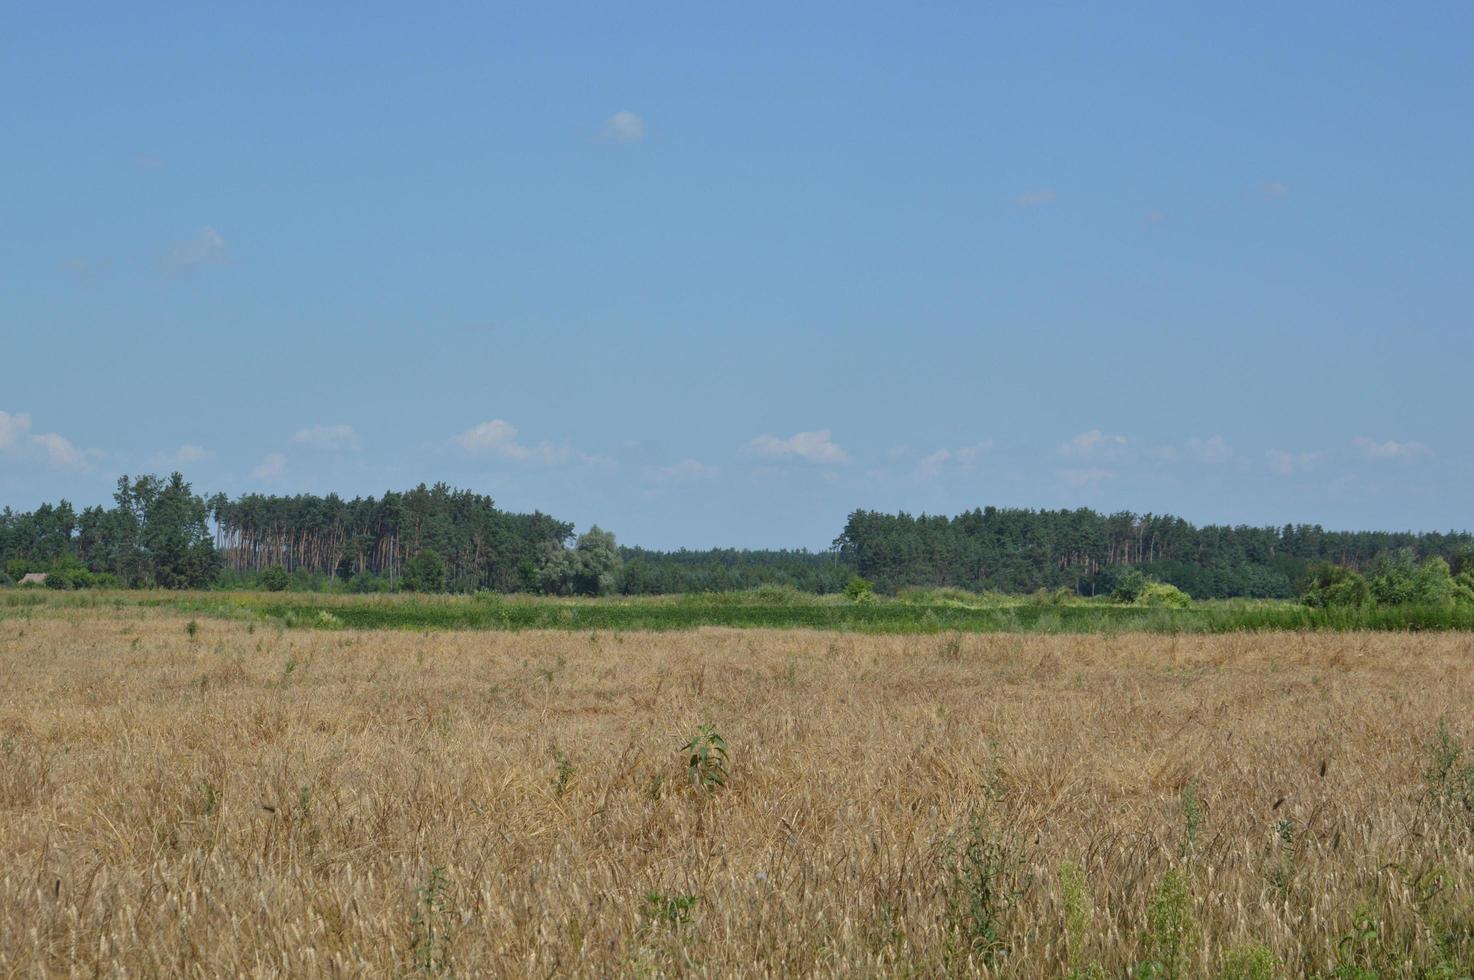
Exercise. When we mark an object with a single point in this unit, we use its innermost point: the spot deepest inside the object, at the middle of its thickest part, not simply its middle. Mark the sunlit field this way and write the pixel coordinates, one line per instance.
(188, 793)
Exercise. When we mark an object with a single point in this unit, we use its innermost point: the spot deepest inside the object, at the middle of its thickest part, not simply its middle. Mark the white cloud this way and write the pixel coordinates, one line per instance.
(1210, 450)
(1288, 463)
(684, 471)
(623, 127)
(499, 437)
(190, 453)
(13, 428)
(1371, 449)
(15, 435)
(965, 456)
(204, 248)
(1085, 476)
(59, 450)
(1273, 190)
(187, 453)
(932, 463)
(1034, 199)
(816, 447)
(1094, 444)
(330, 438)
(273, 466)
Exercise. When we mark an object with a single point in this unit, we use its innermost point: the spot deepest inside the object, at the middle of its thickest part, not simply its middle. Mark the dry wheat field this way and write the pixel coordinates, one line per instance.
(233, 799)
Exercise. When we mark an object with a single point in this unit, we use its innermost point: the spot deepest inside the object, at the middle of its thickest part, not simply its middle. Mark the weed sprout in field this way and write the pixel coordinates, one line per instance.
(430, 927)
(706, 762)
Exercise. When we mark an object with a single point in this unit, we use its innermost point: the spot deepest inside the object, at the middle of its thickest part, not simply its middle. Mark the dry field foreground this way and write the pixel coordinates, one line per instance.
(249, 801)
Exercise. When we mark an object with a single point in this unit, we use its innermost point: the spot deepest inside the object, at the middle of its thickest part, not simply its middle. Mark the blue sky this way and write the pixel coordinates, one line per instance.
(719, 275)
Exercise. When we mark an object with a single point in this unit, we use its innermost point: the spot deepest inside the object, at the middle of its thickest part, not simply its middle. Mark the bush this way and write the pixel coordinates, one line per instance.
(1129, 586)
(425, 573)
(1332, 586)
(1393, 579)
(777, 595)
(274, 579)
(1163, 595)
(366, 582)
(1464, 586)
(859, 590)
(1399, 579)
(1254, 962)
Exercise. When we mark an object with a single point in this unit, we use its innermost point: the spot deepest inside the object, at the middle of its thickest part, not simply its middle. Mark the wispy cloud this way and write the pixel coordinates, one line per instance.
(1287, 463)
(1095, 445)
(1390, 450)
(328, 438)
(816, 447)
(271, 467)
(207, 247)
(498, 437)
(185, 454)
(1213, 450)
(963, 457)
(1034, 199)
(148, 161)
(623, 127)
(58, 450)
(1273, 190)
(13, 428)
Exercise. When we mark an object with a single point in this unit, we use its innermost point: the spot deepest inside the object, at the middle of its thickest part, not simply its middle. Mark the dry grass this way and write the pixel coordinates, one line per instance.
(249, 801)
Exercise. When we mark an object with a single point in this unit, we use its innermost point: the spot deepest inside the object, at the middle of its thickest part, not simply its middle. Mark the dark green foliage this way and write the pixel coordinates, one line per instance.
(274, 579)
(1394, 579)
(425, 572)
(729, 570)
(590, 567)
(157, 534)
(1129, 586)
(332, 538)
(1136, 588)
(364, 583)
(1020, 551)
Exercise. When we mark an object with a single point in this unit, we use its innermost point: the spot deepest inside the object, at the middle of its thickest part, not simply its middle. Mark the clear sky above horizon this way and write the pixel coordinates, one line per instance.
(718, 276)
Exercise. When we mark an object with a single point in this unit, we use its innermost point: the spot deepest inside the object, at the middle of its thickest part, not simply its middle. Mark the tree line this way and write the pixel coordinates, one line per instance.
(371, 541)
(160, 533)
(1022, 550)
